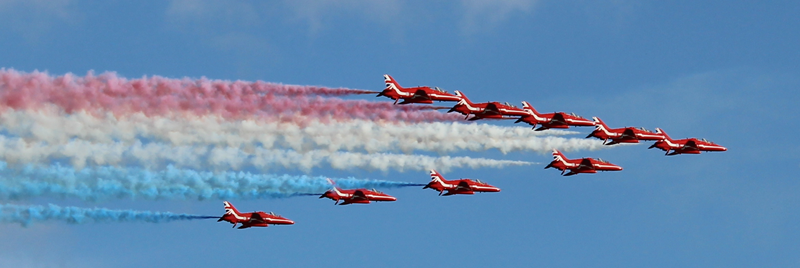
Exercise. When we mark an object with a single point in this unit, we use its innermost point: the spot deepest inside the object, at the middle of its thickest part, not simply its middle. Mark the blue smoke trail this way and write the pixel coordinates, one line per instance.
(99, 183)
(26, 215)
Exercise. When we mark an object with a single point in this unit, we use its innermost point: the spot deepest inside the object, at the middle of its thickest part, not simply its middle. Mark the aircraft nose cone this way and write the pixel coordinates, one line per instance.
(617, 168)
(724, 149)
(391, 198)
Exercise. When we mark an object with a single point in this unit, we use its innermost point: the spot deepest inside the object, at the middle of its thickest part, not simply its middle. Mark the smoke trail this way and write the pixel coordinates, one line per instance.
(106, 182)
(385, 162)
(52, 127)
(109, 84)
(157, 155)
(26, 215)
(160, 96)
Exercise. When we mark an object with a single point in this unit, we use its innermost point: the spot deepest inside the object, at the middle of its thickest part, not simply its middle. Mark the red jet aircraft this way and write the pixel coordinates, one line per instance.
(577, 166)
(359, 196)
(486, 110)
(552, 120)
(685, 146)
(622, 135)
(414, 94)
(252, 219)
(462, 186)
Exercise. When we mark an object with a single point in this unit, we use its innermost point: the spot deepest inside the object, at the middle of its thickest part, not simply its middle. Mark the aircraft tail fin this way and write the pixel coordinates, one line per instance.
(437, 182)
(599, 124)
(558, 156)
(333, 186)
(230, 209)
(528, 107)
(391, 83)
(463, 97)
(666, 137)
(435, 176)
(532, 113)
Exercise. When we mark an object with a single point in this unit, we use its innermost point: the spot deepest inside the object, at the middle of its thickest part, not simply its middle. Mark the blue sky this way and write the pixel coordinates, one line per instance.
(722, 70)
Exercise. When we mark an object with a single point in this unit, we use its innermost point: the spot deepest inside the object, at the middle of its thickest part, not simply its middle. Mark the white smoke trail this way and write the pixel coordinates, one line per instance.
(157, 155)
(376, 161)
(53, 127)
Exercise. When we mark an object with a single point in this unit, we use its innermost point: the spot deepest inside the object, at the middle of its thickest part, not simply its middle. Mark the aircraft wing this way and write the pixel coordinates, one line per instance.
(255, 217)
(586, 164)
(558, 118)
(690, 146)
(463, 186)
(491, 109)
(421, 95)
(628, 134)
(359, 195)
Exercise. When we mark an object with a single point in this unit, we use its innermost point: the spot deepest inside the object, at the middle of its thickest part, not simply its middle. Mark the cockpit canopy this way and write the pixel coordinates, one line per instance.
(376, 190)
(575, 115)
(705, 140)
(643, 129)
(479, 181)
(439, 89)
(273, 214)
(602, 161)
(510, 105)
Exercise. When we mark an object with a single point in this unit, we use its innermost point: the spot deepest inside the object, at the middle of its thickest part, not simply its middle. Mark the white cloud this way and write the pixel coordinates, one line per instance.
(481, 15)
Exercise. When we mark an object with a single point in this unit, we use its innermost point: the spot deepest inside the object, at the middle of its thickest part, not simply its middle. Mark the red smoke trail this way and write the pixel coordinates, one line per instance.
(112, 85)
(231, 100)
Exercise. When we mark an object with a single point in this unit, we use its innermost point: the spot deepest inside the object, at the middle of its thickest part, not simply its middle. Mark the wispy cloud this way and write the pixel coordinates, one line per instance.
(222, 24)
(230, 18)
(482, 15)
(693, 99)
(475, 15)
(228, 12)
(227, 17)
(317, 12)
(34, 18)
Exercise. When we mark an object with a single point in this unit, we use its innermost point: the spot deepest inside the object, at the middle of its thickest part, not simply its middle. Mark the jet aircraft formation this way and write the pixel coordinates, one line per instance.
(559, 120)
(354, 196)
(491, 110)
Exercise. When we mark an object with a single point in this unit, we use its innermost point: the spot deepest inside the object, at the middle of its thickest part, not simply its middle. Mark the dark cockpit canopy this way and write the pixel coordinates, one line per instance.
(575, 115)
(510, 105)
